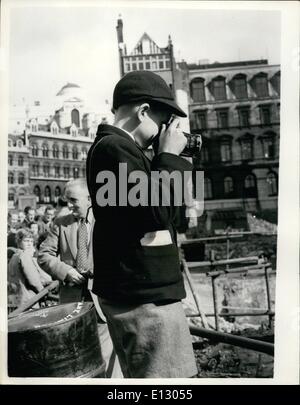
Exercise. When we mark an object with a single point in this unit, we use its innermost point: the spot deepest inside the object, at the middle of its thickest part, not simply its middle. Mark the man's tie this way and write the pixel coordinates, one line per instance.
(82, 254)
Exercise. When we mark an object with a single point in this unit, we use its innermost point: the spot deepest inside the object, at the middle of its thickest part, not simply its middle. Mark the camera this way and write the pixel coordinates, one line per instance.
(193, 146)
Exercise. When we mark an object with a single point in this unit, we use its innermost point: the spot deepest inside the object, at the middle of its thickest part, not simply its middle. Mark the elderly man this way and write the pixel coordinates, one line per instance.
(66, 254)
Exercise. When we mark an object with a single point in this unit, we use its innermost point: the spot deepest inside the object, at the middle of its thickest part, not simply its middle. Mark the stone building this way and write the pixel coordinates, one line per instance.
(18, 165)
(236, 108)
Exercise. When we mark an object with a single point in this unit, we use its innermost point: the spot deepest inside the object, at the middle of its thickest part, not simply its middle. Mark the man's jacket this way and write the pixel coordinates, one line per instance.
(57, 255)
(124, 269)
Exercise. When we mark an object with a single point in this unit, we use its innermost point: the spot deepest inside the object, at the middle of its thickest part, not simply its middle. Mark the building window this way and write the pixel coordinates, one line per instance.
(147, 65)
(20, 161)
(154, 65)
(161, 64)
(66, 172)
(47, 194)
(11, 178)
(54, 128)
(228, 185)
(21, 178)
(261, 85)
(65, 152)
(56, 171)
(244, 114)
(127, 65)
(222, 118)
(240, 86)
(46, 170)
(83, 172)
(75, 153)
(198, 90)
(207, 189)
(247, 149)
(272, 184)
(141, 66)
(134, 66)
(265, 114)
(10, 143)
(200, 120)
(57, 191)
(275, 81)
(75, 117)
(10, 160)
(225, 151)
(45, 150)
(20, 144)
(268, 147)
(83, 154)
(250, 186)
(35, 169)
(11, 196)
(75, 172)
(219, 88)
(204, 155)
(37, 193)
(168, 64)
(55, 151)
(34, 150)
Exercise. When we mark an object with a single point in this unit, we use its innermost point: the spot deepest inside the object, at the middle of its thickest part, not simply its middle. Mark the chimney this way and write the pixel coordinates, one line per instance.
(119, 28)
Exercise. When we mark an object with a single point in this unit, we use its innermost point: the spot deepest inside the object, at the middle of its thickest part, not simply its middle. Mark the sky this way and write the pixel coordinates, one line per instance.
(50, 46)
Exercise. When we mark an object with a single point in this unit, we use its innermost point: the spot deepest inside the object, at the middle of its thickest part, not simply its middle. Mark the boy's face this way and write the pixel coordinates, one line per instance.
(151, 126)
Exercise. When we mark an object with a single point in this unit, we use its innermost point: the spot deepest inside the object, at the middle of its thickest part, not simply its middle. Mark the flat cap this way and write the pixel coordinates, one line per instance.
(143, 85)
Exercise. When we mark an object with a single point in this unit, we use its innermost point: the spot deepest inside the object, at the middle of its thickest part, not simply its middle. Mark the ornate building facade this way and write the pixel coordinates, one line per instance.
(51, 151)
(236, 108)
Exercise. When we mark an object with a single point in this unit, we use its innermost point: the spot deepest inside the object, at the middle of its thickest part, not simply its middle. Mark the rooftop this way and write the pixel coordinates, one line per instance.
(227, 64)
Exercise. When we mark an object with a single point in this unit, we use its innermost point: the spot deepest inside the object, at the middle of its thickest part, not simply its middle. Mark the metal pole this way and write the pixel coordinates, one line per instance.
(268, 294)
(215, 299)
(252, 344)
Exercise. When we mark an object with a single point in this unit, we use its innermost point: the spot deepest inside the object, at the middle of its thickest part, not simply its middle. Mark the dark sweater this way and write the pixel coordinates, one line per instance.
(124, 270)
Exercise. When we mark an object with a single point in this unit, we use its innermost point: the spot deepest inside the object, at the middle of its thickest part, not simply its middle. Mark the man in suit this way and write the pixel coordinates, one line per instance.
(67, 255)
(136, 265)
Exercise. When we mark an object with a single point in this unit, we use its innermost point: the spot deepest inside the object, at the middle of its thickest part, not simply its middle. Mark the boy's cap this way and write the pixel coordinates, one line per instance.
(145, 86)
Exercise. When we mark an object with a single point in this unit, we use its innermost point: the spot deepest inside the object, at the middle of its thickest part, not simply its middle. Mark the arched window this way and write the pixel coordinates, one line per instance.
(272, 184)
(75, 153)
(47, 194)
(75, 117)
(246, 148)
(228, 185)
(35, 169)
(268, 144)
(21, 178)
(20, 143)
(45, 150)
(66, 172)
(250, 186)
(20, 161)
(239, 86)
(260, 85)
(11, 178)
(46, 170)
(34, 149)
(207, 188)
(56, 171)
(75, 172)
(225, 150)
(57, 191)
(10, 160)
(55, 151)
(83, 153)
(198, 90)
(37, 193)
(218, 87)
(65, 152)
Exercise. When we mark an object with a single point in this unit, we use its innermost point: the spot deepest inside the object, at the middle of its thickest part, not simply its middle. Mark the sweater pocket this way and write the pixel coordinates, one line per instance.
(157, 265)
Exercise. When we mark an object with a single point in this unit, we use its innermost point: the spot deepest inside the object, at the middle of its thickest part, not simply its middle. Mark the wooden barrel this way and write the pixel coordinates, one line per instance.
(58, 341)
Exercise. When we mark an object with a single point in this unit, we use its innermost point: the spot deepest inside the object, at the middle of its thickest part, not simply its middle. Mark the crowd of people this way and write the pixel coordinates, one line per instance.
(27, 229)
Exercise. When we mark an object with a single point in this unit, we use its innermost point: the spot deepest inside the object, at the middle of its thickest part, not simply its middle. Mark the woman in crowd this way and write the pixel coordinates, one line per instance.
(25, 277)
